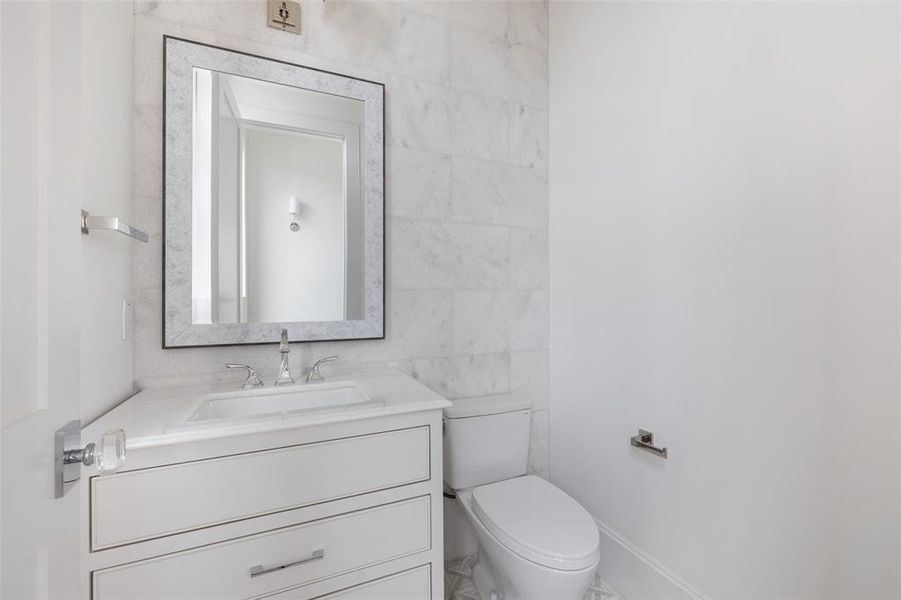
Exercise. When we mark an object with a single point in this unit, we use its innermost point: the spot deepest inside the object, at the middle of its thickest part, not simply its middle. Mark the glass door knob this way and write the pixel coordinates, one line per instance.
(108, 454)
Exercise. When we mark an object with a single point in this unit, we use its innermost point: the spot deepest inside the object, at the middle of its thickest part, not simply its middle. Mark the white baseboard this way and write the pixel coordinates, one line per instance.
(637, 575)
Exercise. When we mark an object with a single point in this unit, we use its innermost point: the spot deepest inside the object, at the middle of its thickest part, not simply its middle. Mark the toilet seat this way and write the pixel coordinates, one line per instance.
(538, 521)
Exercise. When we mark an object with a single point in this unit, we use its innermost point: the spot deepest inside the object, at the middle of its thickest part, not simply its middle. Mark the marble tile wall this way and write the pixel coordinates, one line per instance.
(467, 189)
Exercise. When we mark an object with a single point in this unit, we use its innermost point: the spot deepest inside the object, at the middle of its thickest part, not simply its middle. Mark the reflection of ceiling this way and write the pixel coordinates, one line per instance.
(253, 93)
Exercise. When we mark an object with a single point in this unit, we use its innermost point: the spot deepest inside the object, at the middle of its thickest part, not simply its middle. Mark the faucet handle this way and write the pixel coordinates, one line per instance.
(314, 374)
(253, 380)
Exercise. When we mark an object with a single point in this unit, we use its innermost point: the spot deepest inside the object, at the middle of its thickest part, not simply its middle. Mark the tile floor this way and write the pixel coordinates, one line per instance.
(458, 583)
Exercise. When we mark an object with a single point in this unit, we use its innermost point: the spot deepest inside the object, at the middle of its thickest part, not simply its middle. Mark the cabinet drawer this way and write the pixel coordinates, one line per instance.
(275, 560)
(181, 497)
(415, 584)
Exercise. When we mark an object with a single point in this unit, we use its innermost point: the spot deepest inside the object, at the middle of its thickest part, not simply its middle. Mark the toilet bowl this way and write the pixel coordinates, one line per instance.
(540, 543)
(535, 541)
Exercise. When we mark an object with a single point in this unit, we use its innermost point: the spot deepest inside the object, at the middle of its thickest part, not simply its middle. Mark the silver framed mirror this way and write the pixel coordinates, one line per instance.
(274, 200)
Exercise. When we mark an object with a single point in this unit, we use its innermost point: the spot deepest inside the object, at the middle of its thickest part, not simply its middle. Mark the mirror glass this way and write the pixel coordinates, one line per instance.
(276, 202)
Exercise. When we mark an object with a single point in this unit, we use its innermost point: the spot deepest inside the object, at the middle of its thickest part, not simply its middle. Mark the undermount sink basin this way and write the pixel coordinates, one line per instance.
(284, 401)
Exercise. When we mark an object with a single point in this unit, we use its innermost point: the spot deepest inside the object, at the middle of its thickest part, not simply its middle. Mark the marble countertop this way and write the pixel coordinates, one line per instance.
(161, 416)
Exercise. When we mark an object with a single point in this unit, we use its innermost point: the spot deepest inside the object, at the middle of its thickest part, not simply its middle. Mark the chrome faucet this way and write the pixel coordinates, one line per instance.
(314, 374)
(253, 380)
(284, 373)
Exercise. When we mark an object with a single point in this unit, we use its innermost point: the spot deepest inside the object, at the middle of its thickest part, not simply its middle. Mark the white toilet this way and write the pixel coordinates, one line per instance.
(535, 542)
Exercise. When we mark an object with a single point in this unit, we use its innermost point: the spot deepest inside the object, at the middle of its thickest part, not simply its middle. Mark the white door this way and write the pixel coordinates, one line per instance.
(40, 117)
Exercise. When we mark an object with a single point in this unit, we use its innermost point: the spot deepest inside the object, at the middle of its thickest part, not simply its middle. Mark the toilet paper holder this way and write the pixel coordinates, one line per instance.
(645, 441)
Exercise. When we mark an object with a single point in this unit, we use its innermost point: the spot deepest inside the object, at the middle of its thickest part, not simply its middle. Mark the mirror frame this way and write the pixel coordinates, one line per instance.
(180, 58)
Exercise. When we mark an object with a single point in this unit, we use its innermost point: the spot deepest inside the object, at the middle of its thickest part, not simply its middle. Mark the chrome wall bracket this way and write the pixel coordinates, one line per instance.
(645, 441)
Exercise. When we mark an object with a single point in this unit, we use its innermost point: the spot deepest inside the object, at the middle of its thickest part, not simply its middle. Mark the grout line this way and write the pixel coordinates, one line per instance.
(453, 222)
(449, 154)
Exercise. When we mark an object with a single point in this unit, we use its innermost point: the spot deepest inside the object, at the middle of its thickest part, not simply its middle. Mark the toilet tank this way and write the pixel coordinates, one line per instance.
(485, 440)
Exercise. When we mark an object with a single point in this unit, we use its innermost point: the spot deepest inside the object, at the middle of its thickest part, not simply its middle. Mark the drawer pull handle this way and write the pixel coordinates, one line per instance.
(257, 570)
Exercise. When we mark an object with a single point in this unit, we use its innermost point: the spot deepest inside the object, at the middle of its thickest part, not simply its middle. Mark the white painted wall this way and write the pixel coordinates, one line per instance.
(294, 275)
(724, 250)
(106, 167)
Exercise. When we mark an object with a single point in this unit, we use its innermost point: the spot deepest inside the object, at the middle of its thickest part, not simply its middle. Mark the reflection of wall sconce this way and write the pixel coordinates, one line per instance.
(292, 210)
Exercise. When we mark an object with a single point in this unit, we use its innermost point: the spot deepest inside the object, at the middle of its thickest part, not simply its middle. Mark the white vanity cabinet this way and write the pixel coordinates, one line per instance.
(346, 510)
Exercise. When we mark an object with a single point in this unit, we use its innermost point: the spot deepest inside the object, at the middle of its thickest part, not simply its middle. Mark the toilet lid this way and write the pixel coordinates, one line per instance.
(538, 521)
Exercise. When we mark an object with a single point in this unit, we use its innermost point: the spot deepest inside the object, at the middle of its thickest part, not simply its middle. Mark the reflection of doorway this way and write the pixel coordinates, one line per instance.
(215, 211)
(316, 130)
(294, 275)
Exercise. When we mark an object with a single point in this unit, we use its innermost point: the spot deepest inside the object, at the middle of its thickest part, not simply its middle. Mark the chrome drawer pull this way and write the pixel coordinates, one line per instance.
(318, 554)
